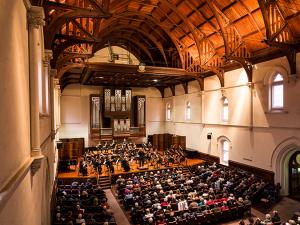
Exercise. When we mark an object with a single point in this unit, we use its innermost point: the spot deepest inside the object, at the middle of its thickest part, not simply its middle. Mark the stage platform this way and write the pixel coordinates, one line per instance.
(119, 170)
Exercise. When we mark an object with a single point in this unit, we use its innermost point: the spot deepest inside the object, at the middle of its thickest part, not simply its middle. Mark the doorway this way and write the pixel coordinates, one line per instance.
(294, 176)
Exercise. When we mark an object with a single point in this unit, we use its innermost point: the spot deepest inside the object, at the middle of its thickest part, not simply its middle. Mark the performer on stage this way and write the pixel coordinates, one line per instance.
(125, 165)
(83, 168)
(141, 154)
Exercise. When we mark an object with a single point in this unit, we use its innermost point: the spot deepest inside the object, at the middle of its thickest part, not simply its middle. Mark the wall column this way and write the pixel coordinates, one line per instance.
(53, 83)
(46, 84)
(35, 21)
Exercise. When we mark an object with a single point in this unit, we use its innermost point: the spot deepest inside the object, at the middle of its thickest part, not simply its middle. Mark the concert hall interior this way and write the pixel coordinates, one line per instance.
(149, 112)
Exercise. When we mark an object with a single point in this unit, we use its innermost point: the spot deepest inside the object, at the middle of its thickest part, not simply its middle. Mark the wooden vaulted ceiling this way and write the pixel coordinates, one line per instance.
(196, 38)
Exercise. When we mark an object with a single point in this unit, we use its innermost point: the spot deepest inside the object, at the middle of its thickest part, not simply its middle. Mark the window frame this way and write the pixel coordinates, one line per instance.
(188, 111)
(223, 151)
(168, 112)
(274, 84)
(225, 105)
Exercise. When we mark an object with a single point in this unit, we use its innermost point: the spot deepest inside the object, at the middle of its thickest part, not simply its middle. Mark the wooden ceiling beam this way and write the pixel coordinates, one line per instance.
(76, 39)
(200, 81)
(162, 91)
(68, 56)
(98, 6)
(133, 41)
(80, 27)
(153, 70)
(185, 86)
(67, 68)
(141, 33)
(73, 13)
(154, 21)
(57, 5)
(172, 88)
(281, 37)
(198, 10)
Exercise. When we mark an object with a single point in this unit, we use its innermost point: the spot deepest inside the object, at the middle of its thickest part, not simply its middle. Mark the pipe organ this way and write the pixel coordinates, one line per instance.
(117, 114)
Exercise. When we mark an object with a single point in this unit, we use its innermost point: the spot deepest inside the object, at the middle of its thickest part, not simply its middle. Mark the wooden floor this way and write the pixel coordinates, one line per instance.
(119, 170)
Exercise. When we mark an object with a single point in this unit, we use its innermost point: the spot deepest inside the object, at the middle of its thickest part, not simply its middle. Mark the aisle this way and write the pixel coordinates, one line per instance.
(286, 208)
(119, 215)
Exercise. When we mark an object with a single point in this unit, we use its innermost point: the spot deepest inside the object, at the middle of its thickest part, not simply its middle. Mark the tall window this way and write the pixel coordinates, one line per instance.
(188, 111)
(225, 152)
(277, 92)
(225, 110)
(168, 111)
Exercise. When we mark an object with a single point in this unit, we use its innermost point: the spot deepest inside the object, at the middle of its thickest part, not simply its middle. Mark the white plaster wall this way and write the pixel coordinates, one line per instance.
(253, 146)
(178, 124)
(76, 120)
(14, 98)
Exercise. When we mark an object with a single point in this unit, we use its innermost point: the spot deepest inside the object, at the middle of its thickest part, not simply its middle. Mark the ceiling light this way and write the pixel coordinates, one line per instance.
(100, 77)
(155, 80)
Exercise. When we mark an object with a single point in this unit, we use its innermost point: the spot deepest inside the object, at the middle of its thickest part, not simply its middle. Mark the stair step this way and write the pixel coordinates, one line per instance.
(104, 181)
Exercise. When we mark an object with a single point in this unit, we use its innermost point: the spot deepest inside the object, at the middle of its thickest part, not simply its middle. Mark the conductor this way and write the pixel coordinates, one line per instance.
(141, 154)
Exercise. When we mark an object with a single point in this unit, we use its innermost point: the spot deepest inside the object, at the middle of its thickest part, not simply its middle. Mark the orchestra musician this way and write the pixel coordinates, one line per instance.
(83, 168)
(125, 165)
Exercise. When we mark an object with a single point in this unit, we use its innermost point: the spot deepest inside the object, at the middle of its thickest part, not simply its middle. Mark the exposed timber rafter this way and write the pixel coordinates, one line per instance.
(278, 33)
(162, 91)
(185, 86)
(235, 48)
(200, 81)
(72, 12)
(172, 88)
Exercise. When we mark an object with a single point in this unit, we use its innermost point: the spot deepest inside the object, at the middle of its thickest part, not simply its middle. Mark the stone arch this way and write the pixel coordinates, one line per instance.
(220, 141)
(276, 69)
(280, 160)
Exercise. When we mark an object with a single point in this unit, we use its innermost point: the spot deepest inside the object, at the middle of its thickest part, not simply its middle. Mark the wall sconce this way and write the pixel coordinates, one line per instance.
(142, 67)
(209, 136)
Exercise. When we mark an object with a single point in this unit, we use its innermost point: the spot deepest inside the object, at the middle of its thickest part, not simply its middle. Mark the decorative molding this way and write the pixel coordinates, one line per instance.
(36, 164)
(35, 17)
(53, 73)
(9, 186)
(48, 55)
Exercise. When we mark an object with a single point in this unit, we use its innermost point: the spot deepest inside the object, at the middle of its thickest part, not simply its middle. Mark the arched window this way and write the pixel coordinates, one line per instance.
(225, 110)
(277, 92)
(168, 111)
(188, 111)
(225, 152)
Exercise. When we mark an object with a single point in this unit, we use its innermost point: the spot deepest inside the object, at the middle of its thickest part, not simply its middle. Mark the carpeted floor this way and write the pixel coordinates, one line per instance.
(286, 208)
(119, 215)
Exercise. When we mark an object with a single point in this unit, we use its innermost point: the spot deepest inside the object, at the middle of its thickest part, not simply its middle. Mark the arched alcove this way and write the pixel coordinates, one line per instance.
(224, 147)
(280, 162)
